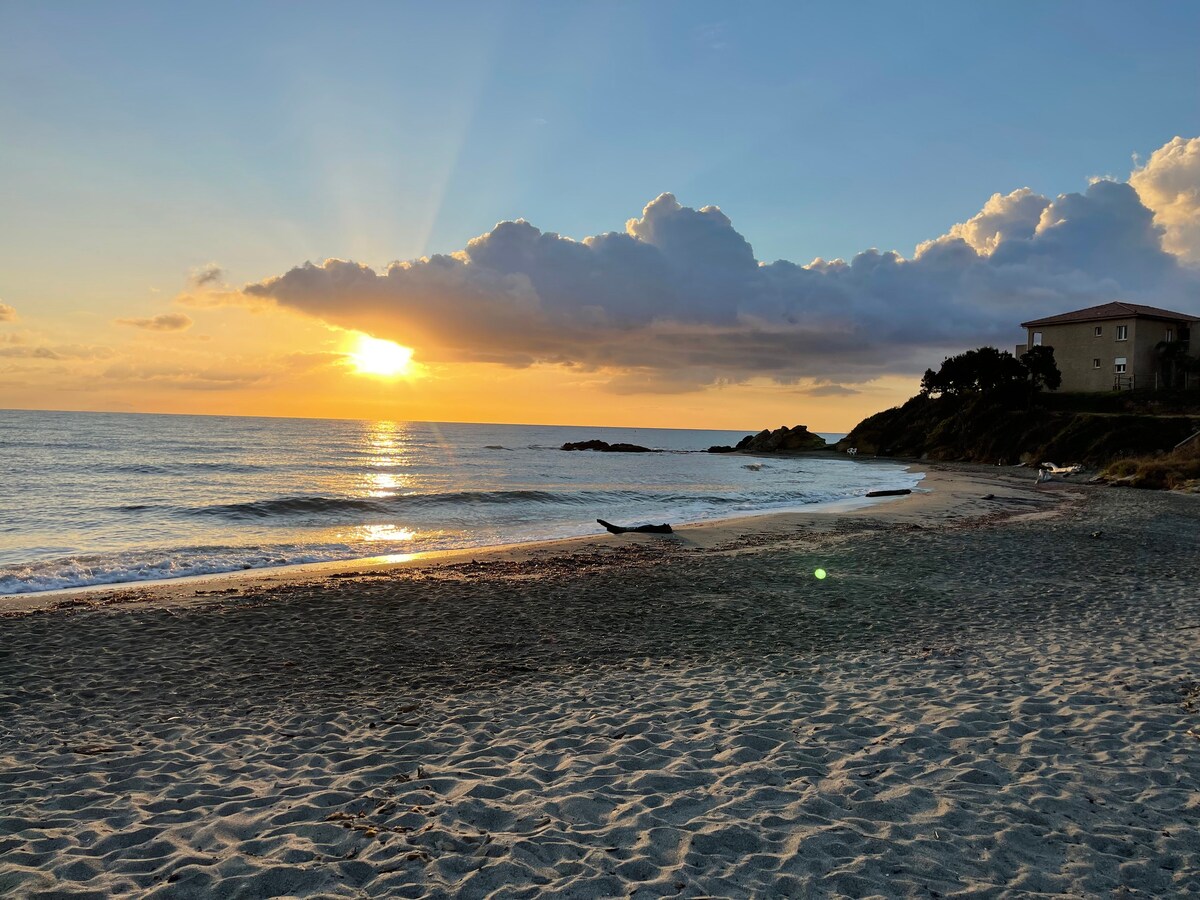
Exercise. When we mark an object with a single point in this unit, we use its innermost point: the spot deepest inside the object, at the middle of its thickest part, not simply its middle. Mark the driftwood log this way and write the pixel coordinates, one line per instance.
(897, 493)
(638, 529)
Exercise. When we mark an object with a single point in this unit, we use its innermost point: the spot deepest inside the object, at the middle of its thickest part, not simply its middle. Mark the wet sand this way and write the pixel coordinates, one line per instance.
(982, 698)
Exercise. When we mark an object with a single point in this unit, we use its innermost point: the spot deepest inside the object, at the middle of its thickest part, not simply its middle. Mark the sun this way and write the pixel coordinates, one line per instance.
(374, 356)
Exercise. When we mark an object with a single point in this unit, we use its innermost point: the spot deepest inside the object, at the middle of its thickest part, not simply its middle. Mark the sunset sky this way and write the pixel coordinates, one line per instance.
(655, 214)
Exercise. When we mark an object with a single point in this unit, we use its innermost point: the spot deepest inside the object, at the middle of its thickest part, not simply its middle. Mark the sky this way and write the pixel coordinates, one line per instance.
(655, 214)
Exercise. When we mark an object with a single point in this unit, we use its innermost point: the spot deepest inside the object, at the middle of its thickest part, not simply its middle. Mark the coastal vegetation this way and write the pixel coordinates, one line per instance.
(994, 373)
(988, 406)
(1177, 470)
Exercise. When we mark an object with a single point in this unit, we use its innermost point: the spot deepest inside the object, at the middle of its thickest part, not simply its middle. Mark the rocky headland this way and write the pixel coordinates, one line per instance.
(978, 428)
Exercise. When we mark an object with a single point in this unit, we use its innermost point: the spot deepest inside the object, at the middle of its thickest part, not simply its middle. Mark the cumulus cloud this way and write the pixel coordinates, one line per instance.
(1169, 184)
(162, 322)
(678, 300)
(1004, 217)
(7, 313)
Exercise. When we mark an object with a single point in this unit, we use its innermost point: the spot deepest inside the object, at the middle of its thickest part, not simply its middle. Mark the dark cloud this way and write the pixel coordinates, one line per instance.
(163, 322)
(679, 301)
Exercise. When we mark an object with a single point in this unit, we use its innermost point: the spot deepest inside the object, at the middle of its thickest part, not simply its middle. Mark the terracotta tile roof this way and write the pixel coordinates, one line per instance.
(1115, 310)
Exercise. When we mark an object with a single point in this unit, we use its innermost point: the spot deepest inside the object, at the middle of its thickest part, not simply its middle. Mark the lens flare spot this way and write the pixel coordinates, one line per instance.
(375, 356)
(820, 574)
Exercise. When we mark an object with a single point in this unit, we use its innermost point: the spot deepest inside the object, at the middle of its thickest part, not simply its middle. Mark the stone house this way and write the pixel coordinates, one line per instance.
(1109, 347)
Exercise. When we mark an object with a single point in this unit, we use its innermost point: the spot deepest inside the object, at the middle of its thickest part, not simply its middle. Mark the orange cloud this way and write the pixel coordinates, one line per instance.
(163, 322)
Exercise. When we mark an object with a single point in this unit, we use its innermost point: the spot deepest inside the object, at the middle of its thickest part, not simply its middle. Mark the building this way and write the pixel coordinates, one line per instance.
(1113, 346)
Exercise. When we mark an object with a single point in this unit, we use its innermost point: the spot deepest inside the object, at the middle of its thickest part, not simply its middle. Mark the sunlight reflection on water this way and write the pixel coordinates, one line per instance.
(100, 498)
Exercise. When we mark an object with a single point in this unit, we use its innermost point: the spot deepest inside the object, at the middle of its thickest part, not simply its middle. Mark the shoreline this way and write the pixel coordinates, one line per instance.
(819, 507)
(941, 487)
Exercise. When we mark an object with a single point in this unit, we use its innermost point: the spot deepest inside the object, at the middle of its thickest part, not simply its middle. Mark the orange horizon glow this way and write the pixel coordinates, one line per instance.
(264, 362)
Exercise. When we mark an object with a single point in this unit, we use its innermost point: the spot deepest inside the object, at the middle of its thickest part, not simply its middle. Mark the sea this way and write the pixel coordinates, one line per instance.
(110, 498)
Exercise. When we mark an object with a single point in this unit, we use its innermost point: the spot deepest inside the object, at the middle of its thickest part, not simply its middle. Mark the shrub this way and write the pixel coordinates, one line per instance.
(1179, 469)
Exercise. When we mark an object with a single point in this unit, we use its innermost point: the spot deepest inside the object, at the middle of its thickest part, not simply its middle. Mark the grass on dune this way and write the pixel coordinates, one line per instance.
(1177, 470)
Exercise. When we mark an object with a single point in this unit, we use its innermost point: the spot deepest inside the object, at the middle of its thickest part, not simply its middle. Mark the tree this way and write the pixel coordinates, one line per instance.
(985, 371)
(1173, 362)
(1043, 371)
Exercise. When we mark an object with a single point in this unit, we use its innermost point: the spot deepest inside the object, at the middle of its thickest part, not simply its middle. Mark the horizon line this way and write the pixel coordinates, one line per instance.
(123, 412)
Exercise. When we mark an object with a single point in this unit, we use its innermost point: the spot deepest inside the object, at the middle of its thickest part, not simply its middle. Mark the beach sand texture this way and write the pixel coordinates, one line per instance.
(970, 704)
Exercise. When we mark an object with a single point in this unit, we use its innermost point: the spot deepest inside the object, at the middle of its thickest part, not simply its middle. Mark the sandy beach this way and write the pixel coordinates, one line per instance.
(985, 697)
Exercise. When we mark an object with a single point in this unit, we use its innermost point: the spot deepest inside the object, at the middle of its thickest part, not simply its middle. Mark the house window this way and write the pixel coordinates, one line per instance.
(1119, 365)
(1170, 335)
(1037, 339)
(1099, 330)
(1122, 332)
(1096, 363)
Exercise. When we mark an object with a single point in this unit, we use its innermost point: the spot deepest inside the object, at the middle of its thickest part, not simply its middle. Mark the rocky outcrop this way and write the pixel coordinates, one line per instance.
(606, 447)
(782, 440)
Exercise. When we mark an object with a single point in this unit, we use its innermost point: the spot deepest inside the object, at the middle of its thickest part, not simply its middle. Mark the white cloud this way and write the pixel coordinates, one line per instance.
(1169, 184)
(1004, 217)
(679, 301)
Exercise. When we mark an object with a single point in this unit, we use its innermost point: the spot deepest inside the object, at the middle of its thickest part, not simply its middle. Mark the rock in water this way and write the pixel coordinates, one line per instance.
(606, 447)
(782, 440)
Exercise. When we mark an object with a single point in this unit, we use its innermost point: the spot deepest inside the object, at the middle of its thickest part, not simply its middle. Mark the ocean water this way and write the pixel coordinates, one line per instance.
(102, 498)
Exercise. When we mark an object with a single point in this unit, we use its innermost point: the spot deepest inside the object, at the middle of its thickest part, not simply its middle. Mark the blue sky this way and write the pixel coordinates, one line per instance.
(146, 138)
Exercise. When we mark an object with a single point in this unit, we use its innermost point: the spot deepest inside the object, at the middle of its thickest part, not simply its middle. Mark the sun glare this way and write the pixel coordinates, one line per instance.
(374, 356)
